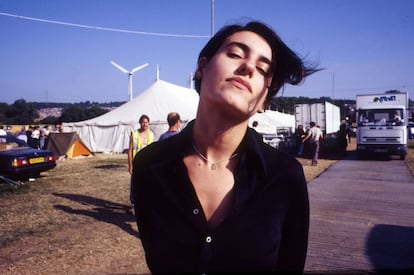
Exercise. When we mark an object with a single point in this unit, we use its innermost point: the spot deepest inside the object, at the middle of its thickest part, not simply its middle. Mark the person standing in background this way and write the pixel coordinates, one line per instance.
(299, 135)
(44, 136)
(174, 123)
(314, 135)
(35, 137)
(22, 134)
(2, 131)
(342, 139)
(138, 139)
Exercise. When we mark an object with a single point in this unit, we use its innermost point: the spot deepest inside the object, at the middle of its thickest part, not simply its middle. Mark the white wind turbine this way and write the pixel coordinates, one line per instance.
(130, 74)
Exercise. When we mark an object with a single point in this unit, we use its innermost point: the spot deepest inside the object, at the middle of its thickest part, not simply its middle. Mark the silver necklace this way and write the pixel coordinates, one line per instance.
(213, 165)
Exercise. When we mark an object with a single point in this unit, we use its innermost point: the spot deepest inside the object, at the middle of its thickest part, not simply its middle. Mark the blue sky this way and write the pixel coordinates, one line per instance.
(365, 46)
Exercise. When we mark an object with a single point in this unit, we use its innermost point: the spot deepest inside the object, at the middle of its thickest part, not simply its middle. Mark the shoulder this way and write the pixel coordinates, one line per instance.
(164, 136)
(161, 151)
(282, 174)
(273, 160)
(280, 161)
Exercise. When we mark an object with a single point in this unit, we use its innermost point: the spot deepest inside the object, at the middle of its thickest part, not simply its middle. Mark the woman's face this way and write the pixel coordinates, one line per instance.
(144, 124)
(237, 77)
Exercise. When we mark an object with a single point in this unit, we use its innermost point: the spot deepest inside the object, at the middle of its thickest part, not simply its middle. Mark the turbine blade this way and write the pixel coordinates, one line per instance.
(119, 67)
(139, 68)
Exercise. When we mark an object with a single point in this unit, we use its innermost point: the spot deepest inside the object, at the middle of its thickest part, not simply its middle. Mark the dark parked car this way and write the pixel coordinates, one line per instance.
(19, 161)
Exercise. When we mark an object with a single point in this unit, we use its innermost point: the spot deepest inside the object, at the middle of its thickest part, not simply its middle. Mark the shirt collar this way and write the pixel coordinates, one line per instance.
(250, 149)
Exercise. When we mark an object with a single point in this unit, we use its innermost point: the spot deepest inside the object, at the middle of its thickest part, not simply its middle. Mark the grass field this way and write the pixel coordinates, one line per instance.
(74, 219)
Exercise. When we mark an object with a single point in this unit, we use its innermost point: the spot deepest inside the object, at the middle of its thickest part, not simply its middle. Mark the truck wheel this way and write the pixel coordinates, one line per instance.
(402, 157)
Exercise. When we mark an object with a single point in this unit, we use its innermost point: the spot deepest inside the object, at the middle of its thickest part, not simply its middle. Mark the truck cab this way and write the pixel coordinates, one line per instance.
(382, 124)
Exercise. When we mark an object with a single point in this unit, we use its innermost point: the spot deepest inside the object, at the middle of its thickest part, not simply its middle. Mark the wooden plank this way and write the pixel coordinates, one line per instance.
(362, 218)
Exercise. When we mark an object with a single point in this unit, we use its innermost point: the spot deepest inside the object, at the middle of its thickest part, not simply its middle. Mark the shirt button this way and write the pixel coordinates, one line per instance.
(208, 239)
(195, 211)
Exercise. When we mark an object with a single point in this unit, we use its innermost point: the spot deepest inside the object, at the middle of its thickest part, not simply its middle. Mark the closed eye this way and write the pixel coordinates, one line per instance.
(262, 71)
(239, 51)
(234, 55)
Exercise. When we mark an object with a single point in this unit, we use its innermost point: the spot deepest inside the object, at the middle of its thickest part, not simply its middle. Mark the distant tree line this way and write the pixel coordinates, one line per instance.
(22, 112)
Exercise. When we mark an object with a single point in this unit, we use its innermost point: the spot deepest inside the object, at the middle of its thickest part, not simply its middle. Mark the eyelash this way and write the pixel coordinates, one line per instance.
(260, 70)
(231, 54)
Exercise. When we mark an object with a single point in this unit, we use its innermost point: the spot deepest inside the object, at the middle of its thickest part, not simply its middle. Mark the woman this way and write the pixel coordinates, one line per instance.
(138, 140)
(215, 197)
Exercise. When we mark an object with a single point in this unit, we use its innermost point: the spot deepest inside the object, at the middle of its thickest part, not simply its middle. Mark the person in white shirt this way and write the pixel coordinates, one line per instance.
(314, 135)
(22, 134)
(2, 131)
(36, 137)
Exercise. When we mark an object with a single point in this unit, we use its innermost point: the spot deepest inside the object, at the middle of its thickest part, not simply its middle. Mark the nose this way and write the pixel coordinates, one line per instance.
(246, 68)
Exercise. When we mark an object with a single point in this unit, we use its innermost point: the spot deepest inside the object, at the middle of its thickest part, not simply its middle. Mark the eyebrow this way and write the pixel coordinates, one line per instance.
(246, 48)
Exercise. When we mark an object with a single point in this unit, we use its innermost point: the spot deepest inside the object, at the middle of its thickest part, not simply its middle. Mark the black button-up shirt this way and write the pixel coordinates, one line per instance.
(266, 229)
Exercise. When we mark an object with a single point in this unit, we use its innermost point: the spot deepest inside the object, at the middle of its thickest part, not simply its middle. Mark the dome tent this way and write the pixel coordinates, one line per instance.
(68, 145)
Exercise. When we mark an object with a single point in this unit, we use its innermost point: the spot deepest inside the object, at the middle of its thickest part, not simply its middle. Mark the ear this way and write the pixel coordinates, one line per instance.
(202, 62)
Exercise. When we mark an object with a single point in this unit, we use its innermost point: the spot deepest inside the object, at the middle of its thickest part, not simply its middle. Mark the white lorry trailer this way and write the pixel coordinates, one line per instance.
(382, 124)
(326, 115)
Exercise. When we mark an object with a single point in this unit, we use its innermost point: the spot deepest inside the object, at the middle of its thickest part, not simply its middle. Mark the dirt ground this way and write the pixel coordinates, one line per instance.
(74, 219)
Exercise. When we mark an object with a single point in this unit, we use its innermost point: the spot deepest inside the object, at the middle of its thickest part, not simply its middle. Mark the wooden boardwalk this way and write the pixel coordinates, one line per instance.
(362, 218)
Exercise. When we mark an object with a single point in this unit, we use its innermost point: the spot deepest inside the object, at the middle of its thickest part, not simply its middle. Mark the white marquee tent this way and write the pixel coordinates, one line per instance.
(270, 121)
(110, 132)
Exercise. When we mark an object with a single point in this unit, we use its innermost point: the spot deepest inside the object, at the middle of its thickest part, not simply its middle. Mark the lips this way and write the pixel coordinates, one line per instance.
(240, 83)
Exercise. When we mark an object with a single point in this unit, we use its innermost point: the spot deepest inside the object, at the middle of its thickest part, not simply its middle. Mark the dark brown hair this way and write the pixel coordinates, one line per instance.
(286, 67)
(141, 118)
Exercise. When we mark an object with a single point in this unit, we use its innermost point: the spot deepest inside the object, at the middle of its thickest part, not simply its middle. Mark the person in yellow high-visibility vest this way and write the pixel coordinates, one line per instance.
(138, 140)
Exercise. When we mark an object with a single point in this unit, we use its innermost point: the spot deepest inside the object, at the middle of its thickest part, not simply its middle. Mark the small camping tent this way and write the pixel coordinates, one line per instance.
(67, 144)
(110, 132)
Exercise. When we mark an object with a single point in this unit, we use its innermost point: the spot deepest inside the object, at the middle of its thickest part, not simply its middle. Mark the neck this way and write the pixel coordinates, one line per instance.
(221, 139)
(173, 128)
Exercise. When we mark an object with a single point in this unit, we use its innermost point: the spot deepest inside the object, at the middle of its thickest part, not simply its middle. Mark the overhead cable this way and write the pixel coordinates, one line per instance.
(103, 28)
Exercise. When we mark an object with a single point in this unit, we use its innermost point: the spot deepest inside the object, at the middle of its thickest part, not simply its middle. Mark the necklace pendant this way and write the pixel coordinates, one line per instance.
(213, 166)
